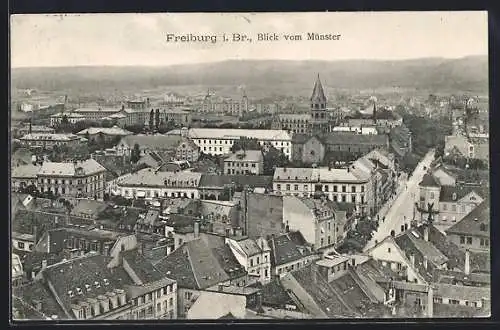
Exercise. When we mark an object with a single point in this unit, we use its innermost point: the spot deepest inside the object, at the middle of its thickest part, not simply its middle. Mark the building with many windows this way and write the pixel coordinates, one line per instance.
(215, 141)
(75, 179)
(254, 256)
(45, 140)
(250, 162)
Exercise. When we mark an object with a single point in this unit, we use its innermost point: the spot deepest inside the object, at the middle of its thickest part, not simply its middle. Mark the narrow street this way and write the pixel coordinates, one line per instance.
(400, 211)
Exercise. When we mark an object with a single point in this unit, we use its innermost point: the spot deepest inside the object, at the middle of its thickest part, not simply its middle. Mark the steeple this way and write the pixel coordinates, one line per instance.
(318, 95)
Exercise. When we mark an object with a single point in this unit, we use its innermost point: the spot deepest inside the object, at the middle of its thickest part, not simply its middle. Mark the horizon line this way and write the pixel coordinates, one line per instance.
(248, 59)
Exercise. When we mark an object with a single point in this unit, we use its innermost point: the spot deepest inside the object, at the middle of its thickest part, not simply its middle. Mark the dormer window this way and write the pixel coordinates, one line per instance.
(70, 293)
(482, 227)
(97, 285)
(78, 291)
(106, 282)
(88, 287)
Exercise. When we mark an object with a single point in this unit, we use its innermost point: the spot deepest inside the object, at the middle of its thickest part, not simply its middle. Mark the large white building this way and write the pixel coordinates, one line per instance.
(218, 141)
(254, 256)
(348, 185)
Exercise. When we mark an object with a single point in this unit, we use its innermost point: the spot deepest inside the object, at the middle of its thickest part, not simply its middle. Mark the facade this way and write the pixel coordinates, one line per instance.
(219, 141)
(187, 150)
(294, 123)
(211, 105)
(473, 231)
(76, 179)
(248, 162)
(476, 148)
(455, 203)
(289, 252)
(23, 176)
(314, 218)
(92, 288)
(254, 256)
(43, 140)
(23, 242)
(27, 129)
(150, 184)
(72, 118)
(351, 184)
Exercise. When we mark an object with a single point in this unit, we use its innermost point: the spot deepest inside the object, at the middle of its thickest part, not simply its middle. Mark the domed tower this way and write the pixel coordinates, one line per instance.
(319, 115)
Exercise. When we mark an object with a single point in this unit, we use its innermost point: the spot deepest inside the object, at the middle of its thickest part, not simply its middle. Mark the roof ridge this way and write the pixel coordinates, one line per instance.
(186, 247)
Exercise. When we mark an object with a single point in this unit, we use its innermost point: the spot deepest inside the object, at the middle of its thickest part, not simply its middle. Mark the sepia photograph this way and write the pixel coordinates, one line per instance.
(262, 166)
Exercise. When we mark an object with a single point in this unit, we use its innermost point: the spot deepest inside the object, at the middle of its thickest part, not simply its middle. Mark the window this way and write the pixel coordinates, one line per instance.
(334, 198)
(278, 187)
(362, 188)
(305, 187)
(463, 208)
(158, 307)
(344, 199)
(462, 239)
(353, 189)
(469, 240)
(171, 302)
(454, 208)
(445, 207)
(454, 302)
(326, 188)
(296, 187)
(344, 188)
(353, 198)
(288, 186)
(20, 245)
(188, 295)
(251, 262)
(335, 188)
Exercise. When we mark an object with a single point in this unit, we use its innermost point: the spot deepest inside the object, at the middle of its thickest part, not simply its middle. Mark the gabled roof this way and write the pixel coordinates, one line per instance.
(115, 130)
(460, 191)
(285, 250)
(143, 268)
(476, 223)
(28, 171)
(195, 265)
(79, 272)
(89, 166)
(428, 181)
(160, 142)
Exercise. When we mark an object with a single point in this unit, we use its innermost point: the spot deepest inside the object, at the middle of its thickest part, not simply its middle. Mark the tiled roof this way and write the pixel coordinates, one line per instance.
(326, 297)
(89, 167)
(160, 142)
(26, 297)
(354, 174)
(87, 207)
(196, 265)
(49, 137)
(273, 294)
(82, 273)
(115, 130)
(294, 116)
(476, 223)
(285, 173)
(428, 181)
(377, 271)
(300, 138)
(249, 246)
(28, 171)
(144, 269)
(259, 134)
(462, 292)
(461, 191)
(451, 277)
(247, 156)
(150, 178)
(285, 250)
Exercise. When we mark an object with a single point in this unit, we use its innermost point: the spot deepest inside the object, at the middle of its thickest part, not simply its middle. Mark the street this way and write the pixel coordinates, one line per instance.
(400, 213)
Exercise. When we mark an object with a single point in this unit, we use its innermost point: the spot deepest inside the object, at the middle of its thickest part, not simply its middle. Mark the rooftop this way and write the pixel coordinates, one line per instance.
(50, 137)
(157, 141)
(260, 134)
(28, 171)
(476, 223)
(428, 181)
(151, 178)
(115, 130)
(83, 168)
(246, 156)
(285, 250)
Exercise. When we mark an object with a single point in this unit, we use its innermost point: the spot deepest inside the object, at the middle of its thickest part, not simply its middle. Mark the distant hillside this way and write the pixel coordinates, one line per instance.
(469, 73)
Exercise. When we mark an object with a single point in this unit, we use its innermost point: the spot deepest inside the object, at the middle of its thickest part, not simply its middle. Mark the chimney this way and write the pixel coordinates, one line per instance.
(430, 301)
(196, 229)
(123, 107)
(425, 262)
(221, 288)
(467, 262)
(426, 233)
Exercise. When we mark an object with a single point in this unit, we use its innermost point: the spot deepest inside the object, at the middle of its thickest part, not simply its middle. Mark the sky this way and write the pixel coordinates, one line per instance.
(140, 39)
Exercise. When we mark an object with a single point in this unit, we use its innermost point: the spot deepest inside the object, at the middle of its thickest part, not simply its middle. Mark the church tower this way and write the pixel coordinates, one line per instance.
(319, 115)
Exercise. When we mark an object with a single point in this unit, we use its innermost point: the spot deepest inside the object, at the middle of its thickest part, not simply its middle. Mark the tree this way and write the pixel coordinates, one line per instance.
(273, 159)
(157, 118)
(245, 144)
(135, 154)
(136, 128)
